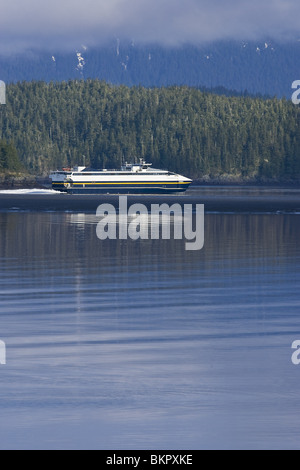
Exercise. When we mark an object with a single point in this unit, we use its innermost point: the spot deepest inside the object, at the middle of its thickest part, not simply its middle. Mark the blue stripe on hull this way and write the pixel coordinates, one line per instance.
(58, 187)
(122, 188)
(128, 188)
(125, 190)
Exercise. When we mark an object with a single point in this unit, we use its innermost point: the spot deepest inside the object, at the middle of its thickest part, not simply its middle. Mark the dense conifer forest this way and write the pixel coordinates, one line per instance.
(200, 134)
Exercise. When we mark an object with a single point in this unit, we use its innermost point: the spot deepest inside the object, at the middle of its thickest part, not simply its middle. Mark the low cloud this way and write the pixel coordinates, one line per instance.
(69, 23)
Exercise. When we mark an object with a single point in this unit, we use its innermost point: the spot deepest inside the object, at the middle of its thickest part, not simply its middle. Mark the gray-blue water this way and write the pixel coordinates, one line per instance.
(143, 345)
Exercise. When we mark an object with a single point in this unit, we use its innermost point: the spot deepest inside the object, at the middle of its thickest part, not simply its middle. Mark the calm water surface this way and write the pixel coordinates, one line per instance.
(143, 345)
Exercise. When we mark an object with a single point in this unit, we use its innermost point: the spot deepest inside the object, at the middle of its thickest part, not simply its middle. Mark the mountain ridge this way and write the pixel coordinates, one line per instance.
(257, 68)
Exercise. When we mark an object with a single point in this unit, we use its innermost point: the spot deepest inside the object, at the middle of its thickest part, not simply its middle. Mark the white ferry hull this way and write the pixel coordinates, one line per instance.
(132, 178)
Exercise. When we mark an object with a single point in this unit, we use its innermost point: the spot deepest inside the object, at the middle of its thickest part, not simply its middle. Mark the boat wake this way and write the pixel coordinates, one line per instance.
(29, 191)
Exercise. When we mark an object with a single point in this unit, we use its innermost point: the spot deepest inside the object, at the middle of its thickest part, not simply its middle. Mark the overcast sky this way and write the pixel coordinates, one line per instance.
(69, 23)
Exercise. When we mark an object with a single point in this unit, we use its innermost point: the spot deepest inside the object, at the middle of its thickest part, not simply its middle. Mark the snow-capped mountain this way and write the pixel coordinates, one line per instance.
(260, 68)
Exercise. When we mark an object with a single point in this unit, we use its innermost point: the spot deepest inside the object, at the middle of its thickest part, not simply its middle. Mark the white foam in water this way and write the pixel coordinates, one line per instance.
(29, 191)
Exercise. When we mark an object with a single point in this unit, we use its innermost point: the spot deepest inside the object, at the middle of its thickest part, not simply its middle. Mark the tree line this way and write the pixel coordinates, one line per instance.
(183, 129)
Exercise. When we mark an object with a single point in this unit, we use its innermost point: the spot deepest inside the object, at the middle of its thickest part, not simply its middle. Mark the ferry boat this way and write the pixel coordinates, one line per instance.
(131, 178)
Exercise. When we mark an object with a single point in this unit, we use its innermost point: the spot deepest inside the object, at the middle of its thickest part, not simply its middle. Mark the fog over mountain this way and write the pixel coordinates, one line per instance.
(258, 67)
(237, 44)
(69, 23)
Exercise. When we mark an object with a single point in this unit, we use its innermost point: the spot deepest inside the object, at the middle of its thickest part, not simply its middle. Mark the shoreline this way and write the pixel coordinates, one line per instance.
(245, 183)
(61, 202)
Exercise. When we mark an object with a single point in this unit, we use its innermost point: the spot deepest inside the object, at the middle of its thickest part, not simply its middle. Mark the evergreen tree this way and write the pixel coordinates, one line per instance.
(9, 160)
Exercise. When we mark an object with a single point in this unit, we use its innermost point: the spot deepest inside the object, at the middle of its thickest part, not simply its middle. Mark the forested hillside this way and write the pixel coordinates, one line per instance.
(179, 128)
(9, 161)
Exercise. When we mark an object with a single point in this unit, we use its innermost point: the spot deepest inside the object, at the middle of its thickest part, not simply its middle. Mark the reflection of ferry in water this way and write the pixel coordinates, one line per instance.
(132, 178)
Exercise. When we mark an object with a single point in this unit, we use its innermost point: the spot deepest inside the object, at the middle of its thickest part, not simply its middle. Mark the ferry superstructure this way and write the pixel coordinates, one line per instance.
(58, 177)
(131, 178)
